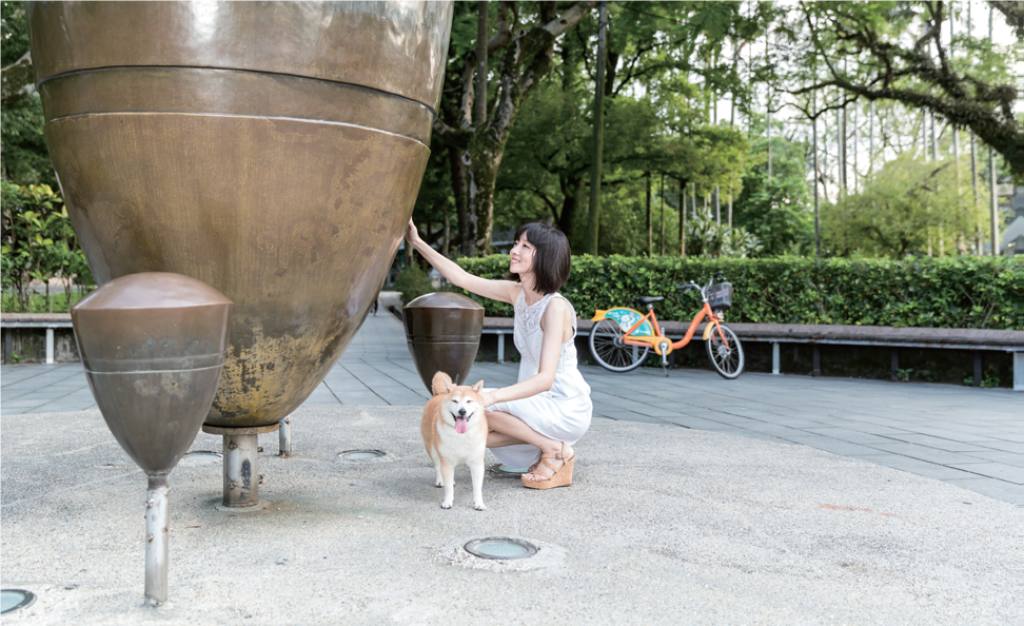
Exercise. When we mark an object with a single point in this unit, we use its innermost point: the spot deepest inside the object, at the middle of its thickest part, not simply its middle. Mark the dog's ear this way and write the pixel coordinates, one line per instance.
(477, 387)
(442, 383)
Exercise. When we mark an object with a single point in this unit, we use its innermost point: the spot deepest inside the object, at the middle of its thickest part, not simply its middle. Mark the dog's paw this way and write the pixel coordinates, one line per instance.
(439, 484)
(479, 506)
(446, 505)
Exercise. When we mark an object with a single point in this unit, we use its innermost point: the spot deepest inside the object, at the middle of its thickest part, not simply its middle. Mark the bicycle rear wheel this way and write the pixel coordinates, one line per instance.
(608, 350)
(727, 360)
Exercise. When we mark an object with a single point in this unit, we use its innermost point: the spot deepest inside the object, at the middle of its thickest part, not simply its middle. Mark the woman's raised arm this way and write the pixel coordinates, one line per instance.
(501, 290)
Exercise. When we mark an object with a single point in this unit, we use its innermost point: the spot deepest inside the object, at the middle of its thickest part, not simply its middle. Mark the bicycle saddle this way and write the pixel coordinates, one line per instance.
(645, 300)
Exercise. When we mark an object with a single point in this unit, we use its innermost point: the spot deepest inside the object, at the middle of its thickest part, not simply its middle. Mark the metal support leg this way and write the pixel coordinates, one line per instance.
(501, 347)
(775, 358)
(8, 346)
(894, 364)
(815, 360)
(157, 521)
(284, 447)
(241, 465)
(241, 481)
(977, 368)
(1018, 371)
(49, 346)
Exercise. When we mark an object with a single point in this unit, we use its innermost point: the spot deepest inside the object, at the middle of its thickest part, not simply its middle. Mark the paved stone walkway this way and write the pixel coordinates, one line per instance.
(965, 436)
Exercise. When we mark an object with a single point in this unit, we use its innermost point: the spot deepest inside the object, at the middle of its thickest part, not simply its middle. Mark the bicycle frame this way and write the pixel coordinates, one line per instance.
(654, 340)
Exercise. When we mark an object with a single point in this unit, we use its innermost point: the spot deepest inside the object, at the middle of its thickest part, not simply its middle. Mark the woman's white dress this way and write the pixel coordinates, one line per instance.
(564, 412)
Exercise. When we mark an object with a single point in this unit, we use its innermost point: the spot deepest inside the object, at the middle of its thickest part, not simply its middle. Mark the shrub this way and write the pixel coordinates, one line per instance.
(942, 292)
(412, 282)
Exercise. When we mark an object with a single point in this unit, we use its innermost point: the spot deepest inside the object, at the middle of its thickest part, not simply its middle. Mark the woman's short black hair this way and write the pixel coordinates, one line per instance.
(552, 259)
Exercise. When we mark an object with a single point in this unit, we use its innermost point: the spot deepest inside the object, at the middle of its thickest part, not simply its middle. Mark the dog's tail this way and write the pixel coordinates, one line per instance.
(442, 383)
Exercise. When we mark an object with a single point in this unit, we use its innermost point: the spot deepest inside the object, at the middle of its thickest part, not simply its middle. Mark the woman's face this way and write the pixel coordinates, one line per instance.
(521, 256)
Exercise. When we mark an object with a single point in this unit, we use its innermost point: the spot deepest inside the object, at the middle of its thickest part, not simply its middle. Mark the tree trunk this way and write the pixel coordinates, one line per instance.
(650, 231)
(594, 223)
(480, 87)
(662, 197)
(572, 197)
(481, 173)
(466, 221)
(682, 220)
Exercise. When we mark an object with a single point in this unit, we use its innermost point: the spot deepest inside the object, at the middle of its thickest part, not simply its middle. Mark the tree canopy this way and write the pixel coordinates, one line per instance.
(722, 122)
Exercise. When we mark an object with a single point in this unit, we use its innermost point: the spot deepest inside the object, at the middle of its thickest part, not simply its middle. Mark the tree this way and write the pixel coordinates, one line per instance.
(26, 159)
(902, 210)
(477, 147)
(547, 160)
(653, 49)
(15, 56)
(777, 210)
(895, 51)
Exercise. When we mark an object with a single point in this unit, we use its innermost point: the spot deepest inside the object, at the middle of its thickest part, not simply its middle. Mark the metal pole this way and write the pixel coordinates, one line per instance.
(241, 464)
(157, 521)
(595, 172)
(284, 448)
(480, 95)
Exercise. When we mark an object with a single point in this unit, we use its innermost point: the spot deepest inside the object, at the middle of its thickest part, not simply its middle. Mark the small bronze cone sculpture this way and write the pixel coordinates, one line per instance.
(273, 150)
(443, 331)
(153, 346)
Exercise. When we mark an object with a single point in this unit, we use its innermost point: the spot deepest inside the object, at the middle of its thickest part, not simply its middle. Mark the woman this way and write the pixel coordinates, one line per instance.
(535, 422)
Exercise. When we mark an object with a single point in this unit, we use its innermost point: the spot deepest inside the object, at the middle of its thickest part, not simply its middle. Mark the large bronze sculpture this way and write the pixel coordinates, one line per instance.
(153, 345)
(271, 150)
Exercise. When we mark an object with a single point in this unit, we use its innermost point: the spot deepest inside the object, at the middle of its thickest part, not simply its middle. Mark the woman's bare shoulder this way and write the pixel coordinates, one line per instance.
(557, 311)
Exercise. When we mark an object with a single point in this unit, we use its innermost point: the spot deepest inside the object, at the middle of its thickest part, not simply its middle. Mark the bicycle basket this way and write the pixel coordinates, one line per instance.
(720, 296)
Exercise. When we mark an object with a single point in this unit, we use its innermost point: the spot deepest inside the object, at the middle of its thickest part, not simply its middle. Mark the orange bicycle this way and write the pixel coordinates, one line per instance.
(622, 337)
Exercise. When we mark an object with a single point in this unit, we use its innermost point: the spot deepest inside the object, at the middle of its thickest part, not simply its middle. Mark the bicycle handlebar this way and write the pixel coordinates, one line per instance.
(703, 290)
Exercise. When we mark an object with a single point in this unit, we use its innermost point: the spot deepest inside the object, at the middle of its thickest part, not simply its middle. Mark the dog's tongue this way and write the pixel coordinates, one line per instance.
(460, 424)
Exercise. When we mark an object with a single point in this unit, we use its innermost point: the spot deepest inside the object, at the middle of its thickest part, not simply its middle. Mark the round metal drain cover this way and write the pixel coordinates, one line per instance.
(361, 455)
(503, 548)
(504, 471)
(201, 457)
(14, 599)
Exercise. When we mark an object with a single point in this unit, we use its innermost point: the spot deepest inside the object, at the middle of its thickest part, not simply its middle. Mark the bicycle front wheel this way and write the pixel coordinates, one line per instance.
(610, 352)
(726, 356)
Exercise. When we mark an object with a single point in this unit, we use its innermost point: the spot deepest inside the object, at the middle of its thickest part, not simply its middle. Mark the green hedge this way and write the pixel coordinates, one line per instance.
(948, 292)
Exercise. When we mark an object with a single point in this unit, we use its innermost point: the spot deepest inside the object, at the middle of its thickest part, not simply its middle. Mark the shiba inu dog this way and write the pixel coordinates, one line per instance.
(455, 431)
